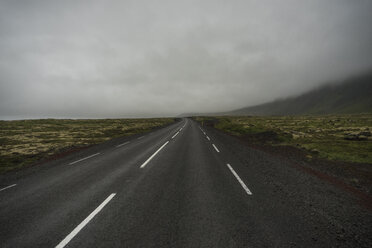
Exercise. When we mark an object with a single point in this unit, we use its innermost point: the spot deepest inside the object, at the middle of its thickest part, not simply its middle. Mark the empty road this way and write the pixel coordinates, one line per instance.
(179, 186)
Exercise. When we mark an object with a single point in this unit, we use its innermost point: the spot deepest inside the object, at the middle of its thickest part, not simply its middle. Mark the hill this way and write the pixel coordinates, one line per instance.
(348, 97)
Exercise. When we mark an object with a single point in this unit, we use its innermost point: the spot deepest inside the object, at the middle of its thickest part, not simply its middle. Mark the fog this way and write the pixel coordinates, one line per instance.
(98, 59)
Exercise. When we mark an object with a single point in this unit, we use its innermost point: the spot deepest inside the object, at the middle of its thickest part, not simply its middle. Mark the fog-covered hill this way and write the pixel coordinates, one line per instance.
(351, 96)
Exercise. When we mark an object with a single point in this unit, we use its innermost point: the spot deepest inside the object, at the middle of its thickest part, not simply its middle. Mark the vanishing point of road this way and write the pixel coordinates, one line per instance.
(183, 185)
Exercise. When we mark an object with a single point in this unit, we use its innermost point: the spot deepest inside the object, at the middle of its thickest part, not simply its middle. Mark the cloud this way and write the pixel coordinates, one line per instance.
(93, 59)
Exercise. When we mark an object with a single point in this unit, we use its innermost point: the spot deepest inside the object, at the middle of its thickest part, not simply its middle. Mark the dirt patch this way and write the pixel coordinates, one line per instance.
(353, 177)
(262, 137)
(356, 174)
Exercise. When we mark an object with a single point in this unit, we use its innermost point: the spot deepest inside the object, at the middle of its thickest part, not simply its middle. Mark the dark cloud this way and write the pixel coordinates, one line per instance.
(160, 58)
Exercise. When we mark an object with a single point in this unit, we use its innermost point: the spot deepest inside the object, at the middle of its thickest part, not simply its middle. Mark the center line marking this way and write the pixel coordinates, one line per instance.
(77, 229)
(175, 135)
(215, 148)
(122, 144)
(84, 158)
(153, 155)
(7, 187)
(208, 138)
(240, 180)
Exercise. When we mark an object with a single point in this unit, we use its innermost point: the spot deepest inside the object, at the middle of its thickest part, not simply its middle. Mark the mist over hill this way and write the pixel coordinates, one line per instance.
(351, 96)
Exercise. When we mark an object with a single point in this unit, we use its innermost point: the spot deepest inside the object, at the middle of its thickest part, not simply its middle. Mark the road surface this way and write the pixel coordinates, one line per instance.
(180, 186)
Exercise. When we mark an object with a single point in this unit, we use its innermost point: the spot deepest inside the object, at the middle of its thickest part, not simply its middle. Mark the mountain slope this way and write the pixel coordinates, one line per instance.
(349, 97)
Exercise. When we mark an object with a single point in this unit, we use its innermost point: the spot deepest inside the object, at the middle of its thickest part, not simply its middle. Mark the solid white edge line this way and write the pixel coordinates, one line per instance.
(215, 148)
(239, 180)
(153, 155)
(7, 187)
(208, 138)
(122, 144)
(77, 229)
(84, 158)
(175, 135)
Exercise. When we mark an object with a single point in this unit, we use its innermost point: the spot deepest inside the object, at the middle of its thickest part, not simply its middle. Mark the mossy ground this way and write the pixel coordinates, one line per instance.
(26, 141)
(323, 136)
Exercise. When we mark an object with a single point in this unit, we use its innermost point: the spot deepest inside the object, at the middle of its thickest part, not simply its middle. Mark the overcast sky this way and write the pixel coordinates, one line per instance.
(95, 59)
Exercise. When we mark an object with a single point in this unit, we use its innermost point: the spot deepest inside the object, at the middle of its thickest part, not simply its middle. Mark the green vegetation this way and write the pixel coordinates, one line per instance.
(335, 137)
(27, 141)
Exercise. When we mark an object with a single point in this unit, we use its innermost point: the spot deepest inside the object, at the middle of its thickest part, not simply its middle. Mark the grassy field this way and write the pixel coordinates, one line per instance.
(335, 137)
(27, 141)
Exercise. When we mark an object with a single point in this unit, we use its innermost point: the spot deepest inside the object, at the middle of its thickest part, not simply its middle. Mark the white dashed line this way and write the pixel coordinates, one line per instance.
(84, 158)
(175, 135)
(215, 148)
(122, 144)
(153, 155)
(240, 180)
(69, 237)
(208, 138)
(7, 187)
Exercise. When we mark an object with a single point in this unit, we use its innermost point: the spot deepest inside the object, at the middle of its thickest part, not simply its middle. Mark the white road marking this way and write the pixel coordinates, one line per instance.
(77, 229)
(153, 155)
(240, 180)
(208, 138)
(122, 144)
(175, 135)
(84, 158)
(181, 129)
(215, 148)
(7, 187)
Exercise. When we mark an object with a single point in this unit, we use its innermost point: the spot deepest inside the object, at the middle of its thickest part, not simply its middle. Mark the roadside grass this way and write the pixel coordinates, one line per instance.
(334, 137)
(24, 142)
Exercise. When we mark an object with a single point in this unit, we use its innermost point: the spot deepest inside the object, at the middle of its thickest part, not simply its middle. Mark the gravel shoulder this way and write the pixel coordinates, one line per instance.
(336, 214)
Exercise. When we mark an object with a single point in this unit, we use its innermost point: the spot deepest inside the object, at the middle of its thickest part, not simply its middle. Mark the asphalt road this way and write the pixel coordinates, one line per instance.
(179, 186)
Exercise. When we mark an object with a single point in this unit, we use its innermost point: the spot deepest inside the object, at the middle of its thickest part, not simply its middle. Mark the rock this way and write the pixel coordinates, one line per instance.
(295, 136)
(365, 133)
(315, 151)
(362, 137)
(354, 136)
(351, 136)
